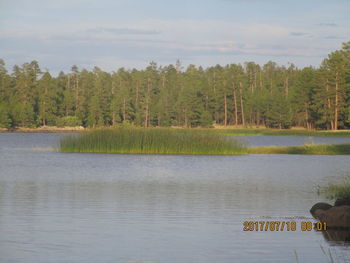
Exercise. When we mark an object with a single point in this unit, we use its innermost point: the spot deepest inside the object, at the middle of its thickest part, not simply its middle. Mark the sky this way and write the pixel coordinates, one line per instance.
(131, 33)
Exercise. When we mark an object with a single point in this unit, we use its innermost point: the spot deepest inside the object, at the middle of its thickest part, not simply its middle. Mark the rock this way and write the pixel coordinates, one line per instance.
(336, 216)
(321, 206)
(337, 235)
(342, 201)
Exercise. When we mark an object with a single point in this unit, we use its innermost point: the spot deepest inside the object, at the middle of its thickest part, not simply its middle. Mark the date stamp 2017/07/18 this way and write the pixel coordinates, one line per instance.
(283, 226)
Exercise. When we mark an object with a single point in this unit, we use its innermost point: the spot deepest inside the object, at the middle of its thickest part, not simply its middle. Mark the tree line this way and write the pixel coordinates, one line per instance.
(248, 95)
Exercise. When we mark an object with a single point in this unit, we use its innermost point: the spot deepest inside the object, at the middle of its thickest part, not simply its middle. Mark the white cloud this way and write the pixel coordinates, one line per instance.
(164, 40)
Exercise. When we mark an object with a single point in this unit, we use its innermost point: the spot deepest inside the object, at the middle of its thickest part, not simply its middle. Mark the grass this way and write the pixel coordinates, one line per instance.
(319, 149)
(179, 141)
(291, 132)
(339, 190)
(152, 141)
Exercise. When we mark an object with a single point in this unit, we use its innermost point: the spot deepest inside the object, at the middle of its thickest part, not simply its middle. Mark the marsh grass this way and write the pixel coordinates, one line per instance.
(317, 149)
(152, 141)
(339, 190)
(179, 141)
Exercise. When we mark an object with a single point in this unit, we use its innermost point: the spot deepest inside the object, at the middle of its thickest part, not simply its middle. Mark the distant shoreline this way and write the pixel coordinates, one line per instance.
(44, 129)
(228, 130)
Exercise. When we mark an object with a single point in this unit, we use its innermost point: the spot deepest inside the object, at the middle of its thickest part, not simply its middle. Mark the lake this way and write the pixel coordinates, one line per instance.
(69, 207)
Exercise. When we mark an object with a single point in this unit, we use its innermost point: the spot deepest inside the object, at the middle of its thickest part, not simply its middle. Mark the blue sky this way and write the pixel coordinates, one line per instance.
(131, 33)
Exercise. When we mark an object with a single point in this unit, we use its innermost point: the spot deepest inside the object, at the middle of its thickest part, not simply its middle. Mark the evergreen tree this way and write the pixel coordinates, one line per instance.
(271, 95)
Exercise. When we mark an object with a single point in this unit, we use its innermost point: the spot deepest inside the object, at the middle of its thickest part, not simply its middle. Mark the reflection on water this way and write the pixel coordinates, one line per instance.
(57, 207)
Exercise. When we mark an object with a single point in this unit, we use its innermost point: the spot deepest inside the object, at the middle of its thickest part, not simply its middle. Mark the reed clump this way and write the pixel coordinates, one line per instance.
(152, 141)
(340, 190)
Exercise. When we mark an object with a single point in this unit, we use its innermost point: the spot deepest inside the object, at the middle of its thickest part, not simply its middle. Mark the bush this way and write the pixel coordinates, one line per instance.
(206, 120)
(5, 121)
(68, 121)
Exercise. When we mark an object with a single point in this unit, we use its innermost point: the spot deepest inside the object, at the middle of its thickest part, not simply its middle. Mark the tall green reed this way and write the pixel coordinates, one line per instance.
(152, 141)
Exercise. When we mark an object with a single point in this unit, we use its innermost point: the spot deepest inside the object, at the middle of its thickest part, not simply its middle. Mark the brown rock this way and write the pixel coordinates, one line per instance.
(321, 206)
(337, 216)
(337, 235)
(342, 201)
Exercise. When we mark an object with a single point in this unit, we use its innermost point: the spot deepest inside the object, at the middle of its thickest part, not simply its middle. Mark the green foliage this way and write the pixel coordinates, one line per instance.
(246, 95)
(151, 141)
(206, 120)
(47, 101)
(278, 115)
(339, 190)
(24, 115)
(5, 121)
(68, 121)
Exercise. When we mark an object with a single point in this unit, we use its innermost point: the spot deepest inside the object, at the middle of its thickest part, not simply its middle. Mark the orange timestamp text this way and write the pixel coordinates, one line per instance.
(283, 226)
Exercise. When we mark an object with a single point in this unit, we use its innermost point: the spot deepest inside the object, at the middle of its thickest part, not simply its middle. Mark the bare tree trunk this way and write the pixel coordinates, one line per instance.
(235, 103)
(44, 120)
(225, 109)
(113, 109)
(215, 107)
(76, 95)
(251, 84)
(254, 82)
(336, 101)
(68, 88)
(307, 117)
(280, 123)
(242, 108)
(328, 105)
(44, 107)
(147, 103)
(165, 100)
(124, 109)
(146, 116)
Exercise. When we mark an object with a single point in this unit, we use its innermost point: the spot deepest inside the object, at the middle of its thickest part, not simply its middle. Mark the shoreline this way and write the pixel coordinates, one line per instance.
(229, 130)
(44, 129)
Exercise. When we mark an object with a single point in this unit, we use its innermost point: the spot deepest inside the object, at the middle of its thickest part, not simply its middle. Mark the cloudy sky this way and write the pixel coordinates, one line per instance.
(131, 33)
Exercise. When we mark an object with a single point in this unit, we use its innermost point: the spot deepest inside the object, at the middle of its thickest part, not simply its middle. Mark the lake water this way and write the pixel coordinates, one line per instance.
(61, 207)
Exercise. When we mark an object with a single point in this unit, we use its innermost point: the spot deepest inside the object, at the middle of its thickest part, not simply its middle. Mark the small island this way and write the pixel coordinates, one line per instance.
(179, 141)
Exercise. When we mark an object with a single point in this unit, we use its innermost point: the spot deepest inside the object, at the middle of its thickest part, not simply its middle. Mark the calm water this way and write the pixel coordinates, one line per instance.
(57, 207)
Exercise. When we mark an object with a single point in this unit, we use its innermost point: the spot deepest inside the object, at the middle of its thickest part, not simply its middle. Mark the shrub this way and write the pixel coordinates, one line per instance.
(68, 121)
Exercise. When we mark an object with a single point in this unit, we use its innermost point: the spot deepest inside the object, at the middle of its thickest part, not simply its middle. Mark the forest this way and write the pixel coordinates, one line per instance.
(247, 95)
